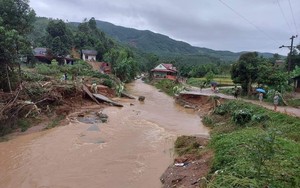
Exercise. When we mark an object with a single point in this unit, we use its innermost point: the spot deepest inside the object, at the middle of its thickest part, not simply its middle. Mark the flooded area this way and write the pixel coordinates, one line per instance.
(131, 150)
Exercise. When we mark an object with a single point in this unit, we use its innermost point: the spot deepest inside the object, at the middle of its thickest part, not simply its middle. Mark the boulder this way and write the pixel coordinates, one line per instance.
(141, 98)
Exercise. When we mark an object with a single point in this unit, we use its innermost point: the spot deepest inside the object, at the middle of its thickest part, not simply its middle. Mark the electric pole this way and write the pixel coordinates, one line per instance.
(291, 52)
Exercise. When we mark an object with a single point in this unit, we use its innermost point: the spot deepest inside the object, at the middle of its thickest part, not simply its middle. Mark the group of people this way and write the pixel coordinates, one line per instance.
(275, 99)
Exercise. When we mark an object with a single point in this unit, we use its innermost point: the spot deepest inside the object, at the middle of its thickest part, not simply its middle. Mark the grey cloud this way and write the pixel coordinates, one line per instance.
(206, 23)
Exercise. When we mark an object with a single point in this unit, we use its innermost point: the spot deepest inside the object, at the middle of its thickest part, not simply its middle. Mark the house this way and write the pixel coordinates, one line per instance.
(279, 63)
(42, 55)
(163, 70)
(69, 60)
(89, 55)
(297, 83)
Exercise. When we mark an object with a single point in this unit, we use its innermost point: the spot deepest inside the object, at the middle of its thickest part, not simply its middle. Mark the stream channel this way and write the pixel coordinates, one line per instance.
(131, 150)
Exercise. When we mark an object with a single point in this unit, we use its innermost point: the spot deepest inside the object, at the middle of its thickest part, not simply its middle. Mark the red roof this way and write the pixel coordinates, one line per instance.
(169, 68)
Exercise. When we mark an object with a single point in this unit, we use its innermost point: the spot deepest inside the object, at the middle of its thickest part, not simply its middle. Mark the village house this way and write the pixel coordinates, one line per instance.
(163, 70)
(41, 55)
(89, 55)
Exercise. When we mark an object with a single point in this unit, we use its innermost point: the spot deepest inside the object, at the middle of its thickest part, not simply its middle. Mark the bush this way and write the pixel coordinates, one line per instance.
(109, 83)
(242, 116)
(260, 118)
(47, 69)
(221, 110)
(23, 124)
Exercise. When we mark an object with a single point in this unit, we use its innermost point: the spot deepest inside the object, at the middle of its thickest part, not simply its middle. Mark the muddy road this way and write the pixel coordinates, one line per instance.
(131, 150)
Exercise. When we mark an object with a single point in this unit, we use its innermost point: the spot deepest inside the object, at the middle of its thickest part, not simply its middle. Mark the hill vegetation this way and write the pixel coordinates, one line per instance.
(162, 45)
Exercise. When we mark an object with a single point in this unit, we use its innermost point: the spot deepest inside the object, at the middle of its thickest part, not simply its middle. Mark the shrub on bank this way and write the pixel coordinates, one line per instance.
(166, 86)
(262, 150)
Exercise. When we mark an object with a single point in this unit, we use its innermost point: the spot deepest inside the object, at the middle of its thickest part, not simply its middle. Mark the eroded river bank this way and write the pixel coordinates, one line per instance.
(131, 150)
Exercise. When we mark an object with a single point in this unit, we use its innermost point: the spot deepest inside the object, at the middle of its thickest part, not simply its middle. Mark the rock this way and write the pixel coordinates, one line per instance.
(103, 117)
(131, 104)
(141, 98)
(80, 115)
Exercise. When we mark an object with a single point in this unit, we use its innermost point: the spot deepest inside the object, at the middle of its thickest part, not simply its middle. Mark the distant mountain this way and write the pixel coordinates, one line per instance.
(146, 41)
(150, 42)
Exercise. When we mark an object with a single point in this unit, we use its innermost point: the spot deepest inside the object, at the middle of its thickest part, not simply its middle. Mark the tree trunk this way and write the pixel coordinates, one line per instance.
(8, 80)
(249, 88)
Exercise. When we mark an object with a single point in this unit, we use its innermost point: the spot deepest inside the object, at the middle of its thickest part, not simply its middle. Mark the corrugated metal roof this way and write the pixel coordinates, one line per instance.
(89, 52)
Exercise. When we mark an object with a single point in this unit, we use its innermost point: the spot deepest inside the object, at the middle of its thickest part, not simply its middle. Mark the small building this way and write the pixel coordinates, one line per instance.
(297, 83)
(163, 70)
(42, 55)
(69, 60)
(89, 55)
(279, 63)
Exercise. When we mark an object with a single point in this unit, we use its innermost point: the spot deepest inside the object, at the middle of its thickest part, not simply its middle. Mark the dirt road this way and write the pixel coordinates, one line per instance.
(208, 92)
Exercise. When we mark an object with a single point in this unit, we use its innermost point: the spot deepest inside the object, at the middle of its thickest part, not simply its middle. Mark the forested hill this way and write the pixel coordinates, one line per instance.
(159, 44)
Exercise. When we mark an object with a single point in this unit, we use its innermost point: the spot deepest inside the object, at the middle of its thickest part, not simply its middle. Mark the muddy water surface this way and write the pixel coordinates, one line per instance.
(131, 150)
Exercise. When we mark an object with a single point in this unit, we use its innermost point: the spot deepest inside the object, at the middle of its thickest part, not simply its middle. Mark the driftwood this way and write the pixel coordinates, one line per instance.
(105, 99)
(87, 91)
(124, 94)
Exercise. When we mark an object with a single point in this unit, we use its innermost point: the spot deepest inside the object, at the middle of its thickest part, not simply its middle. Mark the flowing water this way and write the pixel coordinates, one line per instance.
(131, 150)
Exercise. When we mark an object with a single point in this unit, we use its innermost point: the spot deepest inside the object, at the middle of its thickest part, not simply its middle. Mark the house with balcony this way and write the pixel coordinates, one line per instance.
(164, 71)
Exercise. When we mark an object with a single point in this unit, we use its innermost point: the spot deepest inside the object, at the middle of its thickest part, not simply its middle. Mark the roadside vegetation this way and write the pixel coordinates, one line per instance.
(169, 87)
(253, 146)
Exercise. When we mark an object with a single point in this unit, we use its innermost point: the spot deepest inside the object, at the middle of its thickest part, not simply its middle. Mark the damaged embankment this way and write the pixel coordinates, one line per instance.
(250, 146)
(45, 102)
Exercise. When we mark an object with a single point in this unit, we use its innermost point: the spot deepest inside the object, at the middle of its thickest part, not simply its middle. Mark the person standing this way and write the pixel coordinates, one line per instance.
(276, 100)
(260, 97)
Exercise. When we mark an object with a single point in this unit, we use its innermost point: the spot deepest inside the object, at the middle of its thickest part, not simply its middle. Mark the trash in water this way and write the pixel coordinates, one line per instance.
(181, 164)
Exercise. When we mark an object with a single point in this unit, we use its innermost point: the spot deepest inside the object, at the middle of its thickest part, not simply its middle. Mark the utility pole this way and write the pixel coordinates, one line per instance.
(291, 52)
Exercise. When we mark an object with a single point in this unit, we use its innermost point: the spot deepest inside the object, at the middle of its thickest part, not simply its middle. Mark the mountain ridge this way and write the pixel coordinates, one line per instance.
(151, 42)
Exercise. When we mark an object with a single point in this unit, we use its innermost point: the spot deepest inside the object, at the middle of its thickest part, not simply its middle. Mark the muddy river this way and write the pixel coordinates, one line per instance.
(131, 150)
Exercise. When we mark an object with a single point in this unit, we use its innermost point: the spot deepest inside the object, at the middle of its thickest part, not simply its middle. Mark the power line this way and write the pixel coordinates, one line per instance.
(293, 17)
(281, 10)
(248, 21)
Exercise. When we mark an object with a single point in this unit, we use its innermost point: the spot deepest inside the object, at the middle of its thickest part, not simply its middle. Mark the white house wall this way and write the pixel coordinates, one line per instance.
(160, 67)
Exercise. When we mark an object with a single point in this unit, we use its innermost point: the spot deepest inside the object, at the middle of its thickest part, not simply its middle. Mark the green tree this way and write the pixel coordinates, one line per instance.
(245, 71)
(59, 39)
(89, 36)
(16, 18)
(273, 76)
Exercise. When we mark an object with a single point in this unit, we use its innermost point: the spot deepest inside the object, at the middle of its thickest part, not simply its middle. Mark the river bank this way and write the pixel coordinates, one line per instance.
(252, 147)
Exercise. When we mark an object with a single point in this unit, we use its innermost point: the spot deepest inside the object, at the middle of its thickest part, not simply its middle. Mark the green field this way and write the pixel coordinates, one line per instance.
(221, 80)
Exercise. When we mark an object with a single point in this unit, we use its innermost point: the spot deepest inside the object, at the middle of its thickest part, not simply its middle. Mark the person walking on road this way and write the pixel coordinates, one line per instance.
(276, 100)
(260, 97)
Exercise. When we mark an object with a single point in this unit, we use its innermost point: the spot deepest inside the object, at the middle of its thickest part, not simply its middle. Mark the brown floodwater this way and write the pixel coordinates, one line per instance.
(131, 150)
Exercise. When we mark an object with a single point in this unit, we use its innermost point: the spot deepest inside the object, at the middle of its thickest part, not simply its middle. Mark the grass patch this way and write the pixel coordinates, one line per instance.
(187, 145)
(24, 124)
(222, 81)
(294, 103)
(55, 122)
(262, 152)
(4, 139)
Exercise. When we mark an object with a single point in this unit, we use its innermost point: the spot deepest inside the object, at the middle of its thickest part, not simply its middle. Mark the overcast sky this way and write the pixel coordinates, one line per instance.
(234, 25)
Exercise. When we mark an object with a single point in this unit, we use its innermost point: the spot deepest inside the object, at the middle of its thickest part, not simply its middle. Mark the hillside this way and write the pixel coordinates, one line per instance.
(145, 42)
(151, 42)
